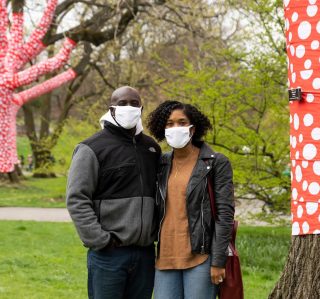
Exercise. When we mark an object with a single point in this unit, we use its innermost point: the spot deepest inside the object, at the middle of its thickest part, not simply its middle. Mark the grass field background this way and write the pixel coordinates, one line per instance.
(32, 192)
(46, 260)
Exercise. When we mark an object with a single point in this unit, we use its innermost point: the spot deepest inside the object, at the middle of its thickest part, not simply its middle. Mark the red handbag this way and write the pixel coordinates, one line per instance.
(232, 286)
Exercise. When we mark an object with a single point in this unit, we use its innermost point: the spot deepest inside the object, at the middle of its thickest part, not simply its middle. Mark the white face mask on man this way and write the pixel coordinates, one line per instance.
(127, 116)
(178, 137)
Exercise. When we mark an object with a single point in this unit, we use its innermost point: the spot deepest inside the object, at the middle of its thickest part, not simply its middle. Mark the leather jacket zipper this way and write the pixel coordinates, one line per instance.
(202, 219)
(164, 213)
(141, 185)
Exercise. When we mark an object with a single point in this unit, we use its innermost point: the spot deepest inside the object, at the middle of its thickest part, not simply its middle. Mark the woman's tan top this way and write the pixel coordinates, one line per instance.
(175, 246)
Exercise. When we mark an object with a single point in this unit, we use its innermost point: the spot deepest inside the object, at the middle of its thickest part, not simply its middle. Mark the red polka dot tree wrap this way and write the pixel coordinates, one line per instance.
(14, 54)
(302, 23)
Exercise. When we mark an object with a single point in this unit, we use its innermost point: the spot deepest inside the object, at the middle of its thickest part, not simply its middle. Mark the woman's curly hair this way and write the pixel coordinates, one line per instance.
(157, 119)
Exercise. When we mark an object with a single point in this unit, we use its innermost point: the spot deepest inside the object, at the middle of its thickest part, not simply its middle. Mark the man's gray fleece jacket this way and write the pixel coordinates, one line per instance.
(111, 188)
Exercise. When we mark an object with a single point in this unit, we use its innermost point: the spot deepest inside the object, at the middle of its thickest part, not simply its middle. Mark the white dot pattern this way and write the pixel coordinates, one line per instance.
(302, 23)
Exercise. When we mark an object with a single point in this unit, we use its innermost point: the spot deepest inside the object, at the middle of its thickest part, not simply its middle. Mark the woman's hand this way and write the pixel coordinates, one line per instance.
(217, 274)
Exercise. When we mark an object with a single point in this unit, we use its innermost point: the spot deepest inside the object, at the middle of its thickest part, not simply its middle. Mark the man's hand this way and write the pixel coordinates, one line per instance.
(217, 274)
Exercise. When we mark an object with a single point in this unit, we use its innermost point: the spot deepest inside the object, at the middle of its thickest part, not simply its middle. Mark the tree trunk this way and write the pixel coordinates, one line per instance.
(43, 161)
(301, 275)
(12, 177)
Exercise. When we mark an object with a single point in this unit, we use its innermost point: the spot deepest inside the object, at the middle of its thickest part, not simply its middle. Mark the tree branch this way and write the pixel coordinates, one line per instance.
(33, 73)
(88, 30)
(97, 68)
(80, 67)
(3, 35)
(47, 86)
(65, 5)
(34, 45)
(13, 56)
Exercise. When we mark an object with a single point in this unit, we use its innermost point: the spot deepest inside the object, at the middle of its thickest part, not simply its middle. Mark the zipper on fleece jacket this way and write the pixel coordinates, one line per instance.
(141, 185)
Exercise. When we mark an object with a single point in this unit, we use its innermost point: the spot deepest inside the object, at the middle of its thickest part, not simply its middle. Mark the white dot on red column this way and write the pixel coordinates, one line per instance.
(293, 77)
(294, 194)
(309, 151)
(312, 10)
(294, 17)
(297, 155)
(315, 134)
(300, 138)
(299, 211)
(300, 51)
(318, 27)
(308, 120)
(310, 97)
(287, 24)
(314, 188)
(316, 167)
(315, 45)
(307, 64)
(311, 207)
(296, 228)
(294, 142)
(301, 199)
(292, 50)
(304, 30)
(298, 174)
(305, 227)
(316, 83)
(306, 74)
(305, 164)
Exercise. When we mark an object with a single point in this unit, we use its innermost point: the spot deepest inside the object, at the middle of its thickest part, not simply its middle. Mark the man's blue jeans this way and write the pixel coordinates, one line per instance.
(121, 273)
(193, 283)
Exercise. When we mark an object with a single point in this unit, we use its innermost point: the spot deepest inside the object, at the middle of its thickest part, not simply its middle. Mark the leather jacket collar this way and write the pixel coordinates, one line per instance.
(200, 171)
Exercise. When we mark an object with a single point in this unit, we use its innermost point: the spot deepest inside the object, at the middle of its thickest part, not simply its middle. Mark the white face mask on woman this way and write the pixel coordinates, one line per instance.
(178, 137)
(127, 116)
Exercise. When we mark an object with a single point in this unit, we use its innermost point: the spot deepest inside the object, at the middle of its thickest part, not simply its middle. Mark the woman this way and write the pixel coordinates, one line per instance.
(192, 247)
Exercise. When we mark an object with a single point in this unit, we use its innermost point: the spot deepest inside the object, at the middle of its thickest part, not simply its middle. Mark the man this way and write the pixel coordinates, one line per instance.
(110, 197)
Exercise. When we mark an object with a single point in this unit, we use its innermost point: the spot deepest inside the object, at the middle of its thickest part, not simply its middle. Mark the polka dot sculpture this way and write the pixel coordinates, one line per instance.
(14, 55)
(302, 23)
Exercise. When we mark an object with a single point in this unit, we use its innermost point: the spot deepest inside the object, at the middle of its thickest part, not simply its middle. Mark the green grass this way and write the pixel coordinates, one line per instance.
(23, 147)
(263, 252)
(34, 192)
(41, 260)
(47, 260)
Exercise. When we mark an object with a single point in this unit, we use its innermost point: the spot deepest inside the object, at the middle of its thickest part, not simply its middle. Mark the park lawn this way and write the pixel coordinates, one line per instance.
(263, 252)
(46, 260)
(33, 192)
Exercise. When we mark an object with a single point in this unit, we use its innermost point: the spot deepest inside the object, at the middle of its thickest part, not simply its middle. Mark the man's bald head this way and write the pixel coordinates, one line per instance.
(124, 96)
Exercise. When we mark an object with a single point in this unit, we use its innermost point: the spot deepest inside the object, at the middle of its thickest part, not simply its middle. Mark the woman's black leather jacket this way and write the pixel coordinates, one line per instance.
(207, 236)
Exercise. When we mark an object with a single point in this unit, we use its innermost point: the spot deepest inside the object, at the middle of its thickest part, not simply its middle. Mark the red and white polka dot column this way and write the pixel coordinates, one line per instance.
(302, 22)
